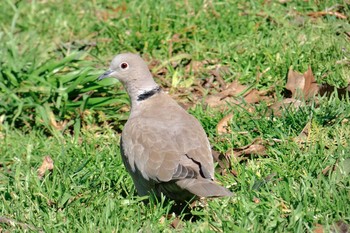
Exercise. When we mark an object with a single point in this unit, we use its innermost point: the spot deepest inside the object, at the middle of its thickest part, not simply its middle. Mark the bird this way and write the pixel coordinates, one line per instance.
(164, 148)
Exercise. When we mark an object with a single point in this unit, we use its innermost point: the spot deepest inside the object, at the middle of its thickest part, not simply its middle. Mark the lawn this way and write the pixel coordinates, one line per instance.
(288, 166)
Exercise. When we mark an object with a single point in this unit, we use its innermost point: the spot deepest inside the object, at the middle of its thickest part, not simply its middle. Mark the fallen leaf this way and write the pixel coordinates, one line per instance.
(256, 200)
(285, 104)
(234, 172)
(337, 227)
(235, 93)
(285, 208)
(176, 223)
(218, 72)
(59, 125)
(223, 161)
(302, 85)
(220, 98)
(257, 147)
(340, 227)
(324, 13)
(295, 81)
(223, 125)
(328, 169)
(318, 228)
(122, 7)
(311, 88)
(255, 96)
(47, 165)
(234, 89)
(215, 101)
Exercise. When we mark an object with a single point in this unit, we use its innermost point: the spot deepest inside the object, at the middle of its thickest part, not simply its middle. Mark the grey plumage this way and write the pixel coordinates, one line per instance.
(164, 148)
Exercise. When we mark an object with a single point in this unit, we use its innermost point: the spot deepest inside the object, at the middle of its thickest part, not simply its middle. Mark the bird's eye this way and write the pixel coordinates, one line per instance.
(124, 65)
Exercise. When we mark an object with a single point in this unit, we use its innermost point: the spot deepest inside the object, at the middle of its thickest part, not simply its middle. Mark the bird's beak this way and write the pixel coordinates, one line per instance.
(105, 75)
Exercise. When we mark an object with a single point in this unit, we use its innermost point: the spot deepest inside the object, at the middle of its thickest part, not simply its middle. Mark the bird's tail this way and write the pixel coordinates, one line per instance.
(204, 188)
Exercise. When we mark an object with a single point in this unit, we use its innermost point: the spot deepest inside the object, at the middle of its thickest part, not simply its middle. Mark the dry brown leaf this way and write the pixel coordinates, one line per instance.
(59, 125)
(47, 165)
(218, 72)
(223, 125)
(288, 103)
(203, 66)
(234, 172)
(302, 85)
(337, 227)
(255, 96)
(195, 66)
(223, 161)
(220, 98)
(323, 13)
(215, 101)
(329, 169)
(235, 89)
(177, 223)
(106, 15)
(284, 207)
(257, 147)
(311, 88)
(318, 228)
(295, 81)
(340, 227)
(122, 7)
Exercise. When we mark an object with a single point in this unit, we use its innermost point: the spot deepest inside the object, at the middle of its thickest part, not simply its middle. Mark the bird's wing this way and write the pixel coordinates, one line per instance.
(165, 149)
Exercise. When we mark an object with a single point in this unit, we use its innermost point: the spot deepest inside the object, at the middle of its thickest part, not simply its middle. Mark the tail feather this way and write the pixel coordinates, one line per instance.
(186, 189)
(204, 188)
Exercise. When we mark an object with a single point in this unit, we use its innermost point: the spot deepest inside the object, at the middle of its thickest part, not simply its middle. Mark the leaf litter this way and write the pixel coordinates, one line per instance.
(236, 93)
(305, 87)
(339, 226)
(47, 165)
(302, 88)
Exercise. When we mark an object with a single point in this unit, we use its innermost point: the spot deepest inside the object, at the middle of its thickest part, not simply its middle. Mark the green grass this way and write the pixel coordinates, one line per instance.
(50, 104)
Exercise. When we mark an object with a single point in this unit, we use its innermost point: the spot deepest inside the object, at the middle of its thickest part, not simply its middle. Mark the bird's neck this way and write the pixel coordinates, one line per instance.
(147, 94)
(140, 93)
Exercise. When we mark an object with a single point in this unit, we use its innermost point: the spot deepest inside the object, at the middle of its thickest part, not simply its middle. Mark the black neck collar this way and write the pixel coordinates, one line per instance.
(148, 94)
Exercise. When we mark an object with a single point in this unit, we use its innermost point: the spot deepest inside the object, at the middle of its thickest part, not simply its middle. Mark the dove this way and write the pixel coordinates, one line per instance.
(164, 148)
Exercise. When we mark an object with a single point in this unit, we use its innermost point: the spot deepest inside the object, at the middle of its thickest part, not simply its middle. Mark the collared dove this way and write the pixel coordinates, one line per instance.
(164, 148)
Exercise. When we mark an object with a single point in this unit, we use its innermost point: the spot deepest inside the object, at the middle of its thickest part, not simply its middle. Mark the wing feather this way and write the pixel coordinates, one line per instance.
(168, 147)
